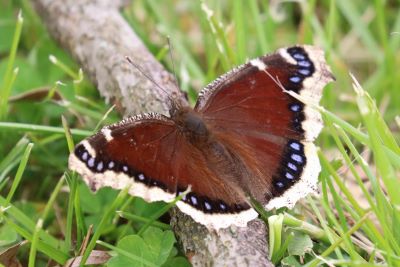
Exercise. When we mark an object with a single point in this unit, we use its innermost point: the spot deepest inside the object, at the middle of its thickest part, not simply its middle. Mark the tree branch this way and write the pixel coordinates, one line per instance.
(98, 37)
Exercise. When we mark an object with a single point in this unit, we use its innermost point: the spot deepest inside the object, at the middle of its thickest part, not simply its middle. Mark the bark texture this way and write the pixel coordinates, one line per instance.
(98, 37)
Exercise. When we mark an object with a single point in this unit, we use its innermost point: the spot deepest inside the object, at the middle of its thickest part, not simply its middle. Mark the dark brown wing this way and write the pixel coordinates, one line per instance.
(137, 150)
(249, 110)
(149, 153)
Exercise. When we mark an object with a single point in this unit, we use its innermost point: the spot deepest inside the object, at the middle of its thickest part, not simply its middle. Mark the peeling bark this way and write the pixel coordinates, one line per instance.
(98, 37)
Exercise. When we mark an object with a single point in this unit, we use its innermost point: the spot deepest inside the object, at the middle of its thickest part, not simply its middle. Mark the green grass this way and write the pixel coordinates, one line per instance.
(354, 222)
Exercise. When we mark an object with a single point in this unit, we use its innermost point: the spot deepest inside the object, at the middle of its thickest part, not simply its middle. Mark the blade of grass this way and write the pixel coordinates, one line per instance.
(98, 125)
(395, 42)
(358, 135)
(308, 8)
(20, 171)
(178, 42)
(24, 127)
(370, 228)
(378, 194)
(64, 67)
(141, 219)
(340, 226)
(259, 25)
(39, 224)
(354, 203)
(91, 104)
(225, 52)
(3, 182)
(22, 219)
(369, 114)
(331, 26)
(282, 250)
(124, 207)
(73, 196)
(13, 157)
(42, 246)
(10, 74)
(47, 140)
(264, 215)
(79, 217)
(83, 109)
(270, 24)
(240, 33)
(72, 184)
(107, 215)
(162, 211)
(331, 236)
(349, 11)
(381, 23)
(333, 130)
(68, 136)
(328, 251)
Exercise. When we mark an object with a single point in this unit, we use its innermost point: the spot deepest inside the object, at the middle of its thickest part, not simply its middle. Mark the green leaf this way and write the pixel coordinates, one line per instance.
(177, 262)
(160, 243)
(94, 203)
(290, 261)
(152, 249)
(7, 235)
(300, 244)
(133, 245)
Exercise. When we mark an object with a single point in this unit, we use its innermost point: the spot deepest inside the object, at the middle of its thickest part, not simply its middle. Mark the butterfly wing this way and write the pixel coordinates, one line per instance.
(259, 143)
(149, 154)
(128, 153)
(250, 110)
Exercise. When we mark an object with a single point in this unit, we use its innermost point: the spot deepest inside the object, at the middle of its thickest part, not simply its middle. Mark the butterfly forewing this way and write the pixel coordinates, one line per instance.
(136, 151)
(251, 111)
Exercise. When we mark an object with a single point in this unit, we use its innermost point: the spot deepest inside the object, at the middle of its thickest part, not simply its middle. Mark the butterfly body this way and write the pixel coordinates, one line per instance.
(246, 137)
(191, 126)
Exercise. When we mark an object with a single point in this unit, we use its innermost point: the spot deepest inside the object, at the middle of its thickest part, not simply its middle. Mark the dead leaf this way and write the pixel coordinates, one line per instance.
(8, 257)
(96, 257)
(36, 95)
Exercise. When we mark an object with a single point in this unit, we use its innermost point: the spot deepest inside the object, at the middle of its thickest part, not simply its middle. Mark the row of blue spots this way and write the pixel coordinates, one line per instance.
(292, 165)
(209, 206)
(100, 166)
(305, 66)
(298, 116)
(200, 203)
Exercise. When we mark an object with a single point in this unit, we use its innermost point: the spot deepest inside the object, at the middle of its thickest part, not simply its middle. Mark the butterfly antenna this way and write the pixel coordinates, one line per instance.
(149, 78)
(172, 61)
(176, 103)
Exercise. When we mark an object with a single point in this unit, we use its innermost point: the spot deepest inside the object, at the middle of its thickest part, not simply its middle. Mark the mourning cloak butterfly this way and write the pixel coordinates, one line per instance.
(246, 136)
